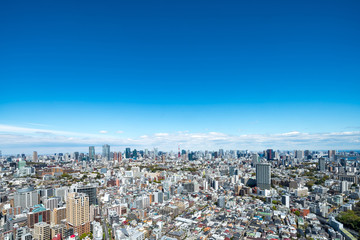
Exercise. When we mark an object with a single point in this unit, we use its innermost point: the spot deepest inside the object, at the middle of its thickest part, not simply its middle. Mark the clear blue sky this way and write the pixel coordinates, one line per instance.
(147, 67)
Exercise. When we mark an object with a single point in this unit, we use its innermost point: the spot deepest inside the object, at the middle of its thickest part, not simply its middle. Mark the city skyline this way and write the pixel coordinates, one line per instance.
(203, 75)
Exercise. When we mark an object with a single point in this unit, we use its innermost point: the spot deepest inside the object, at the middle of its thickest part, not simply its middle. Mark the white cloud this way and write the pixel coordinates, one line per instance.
(119, 132)
(161, 134)
(19, 138)
(103, 131)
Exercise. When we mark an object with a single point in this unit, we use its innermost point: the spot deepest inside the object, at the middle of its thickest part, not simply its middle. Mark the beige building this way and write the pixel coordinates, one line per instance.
(42, 231)
(58, 229)
(57, 215)
(78, 212)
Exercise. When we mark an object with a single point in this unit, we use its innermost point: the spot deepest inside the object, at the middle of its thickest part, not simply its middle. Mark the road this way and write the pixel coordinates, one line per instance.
(325, 221)
(105, 227)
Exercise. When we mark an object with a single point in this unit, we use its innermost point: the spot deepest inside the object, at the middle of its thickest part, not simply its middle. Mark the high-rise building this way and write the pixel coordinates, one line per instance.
(159, 197)
(106, 152)
(128, 153)
(58, 229)
(322, 166)
(57, 215)
(299, 154)
(263, 175)
(221, 202)
(76, 156)
(42, 231)
(91, 153)
(38, 214)
(343, 162)
(285, 200)
(331, 154)
(35, 156)
(22, 164)
(221, 153)
(26, 197)
(134, 155)
(344, 186)
(89, 190)
(255, 159)
(78, 213)
(51, 203)
(270, 154)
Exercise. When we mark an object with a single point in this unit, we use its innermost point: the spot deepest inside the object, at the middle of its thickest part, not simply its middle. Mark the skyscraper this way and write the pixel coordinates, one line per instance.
(92, 153)
(106, 152)
(299, 154)
(263, 175)
(89, 190)
(134, 154)
(270, 154)
(322, 166)
(57, 215)
(331, 154)
(255, 159)
(127, 153)
(285, 200)
(35, 156)
(78, 213)
(26, 197)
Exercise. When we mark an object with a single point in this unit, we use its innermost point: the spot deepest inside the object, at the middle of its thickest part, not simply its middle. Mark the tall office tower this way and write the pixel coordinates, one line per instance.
(270, 154)
(285, 200)
(343, 162)
(26, 197)
(156, 153)
(0, 154)
(35, 156)
(106, 152)
(322, 165)
(89, 190)
(115, 156)
(135, 154)
(344, 186)
(255, 159)
(51, 203)
(263, 175)
(120, 157)
(221, 153)
(21, 164)
(91, 153)
(76, 156)
(299, 154)
(42, 231)
(57, 215)
(62, 192)
(128, 153)
(78, 213)
(331, 154)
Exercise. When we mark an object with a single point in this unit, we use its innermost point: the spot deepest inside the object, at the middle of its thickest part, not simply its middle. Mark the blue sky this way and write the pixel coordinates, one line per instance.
(116, 71)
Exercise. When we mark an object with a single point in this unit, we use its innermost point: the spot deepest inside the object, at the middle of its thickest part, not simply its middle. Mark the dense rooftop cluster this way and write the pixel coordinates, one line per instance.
(185, 195)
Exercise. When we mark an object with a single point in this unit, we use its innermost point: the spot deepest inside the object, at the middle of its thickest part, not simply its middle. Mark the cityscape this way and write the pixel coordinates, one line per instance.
(180, 120)
(152, 194)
